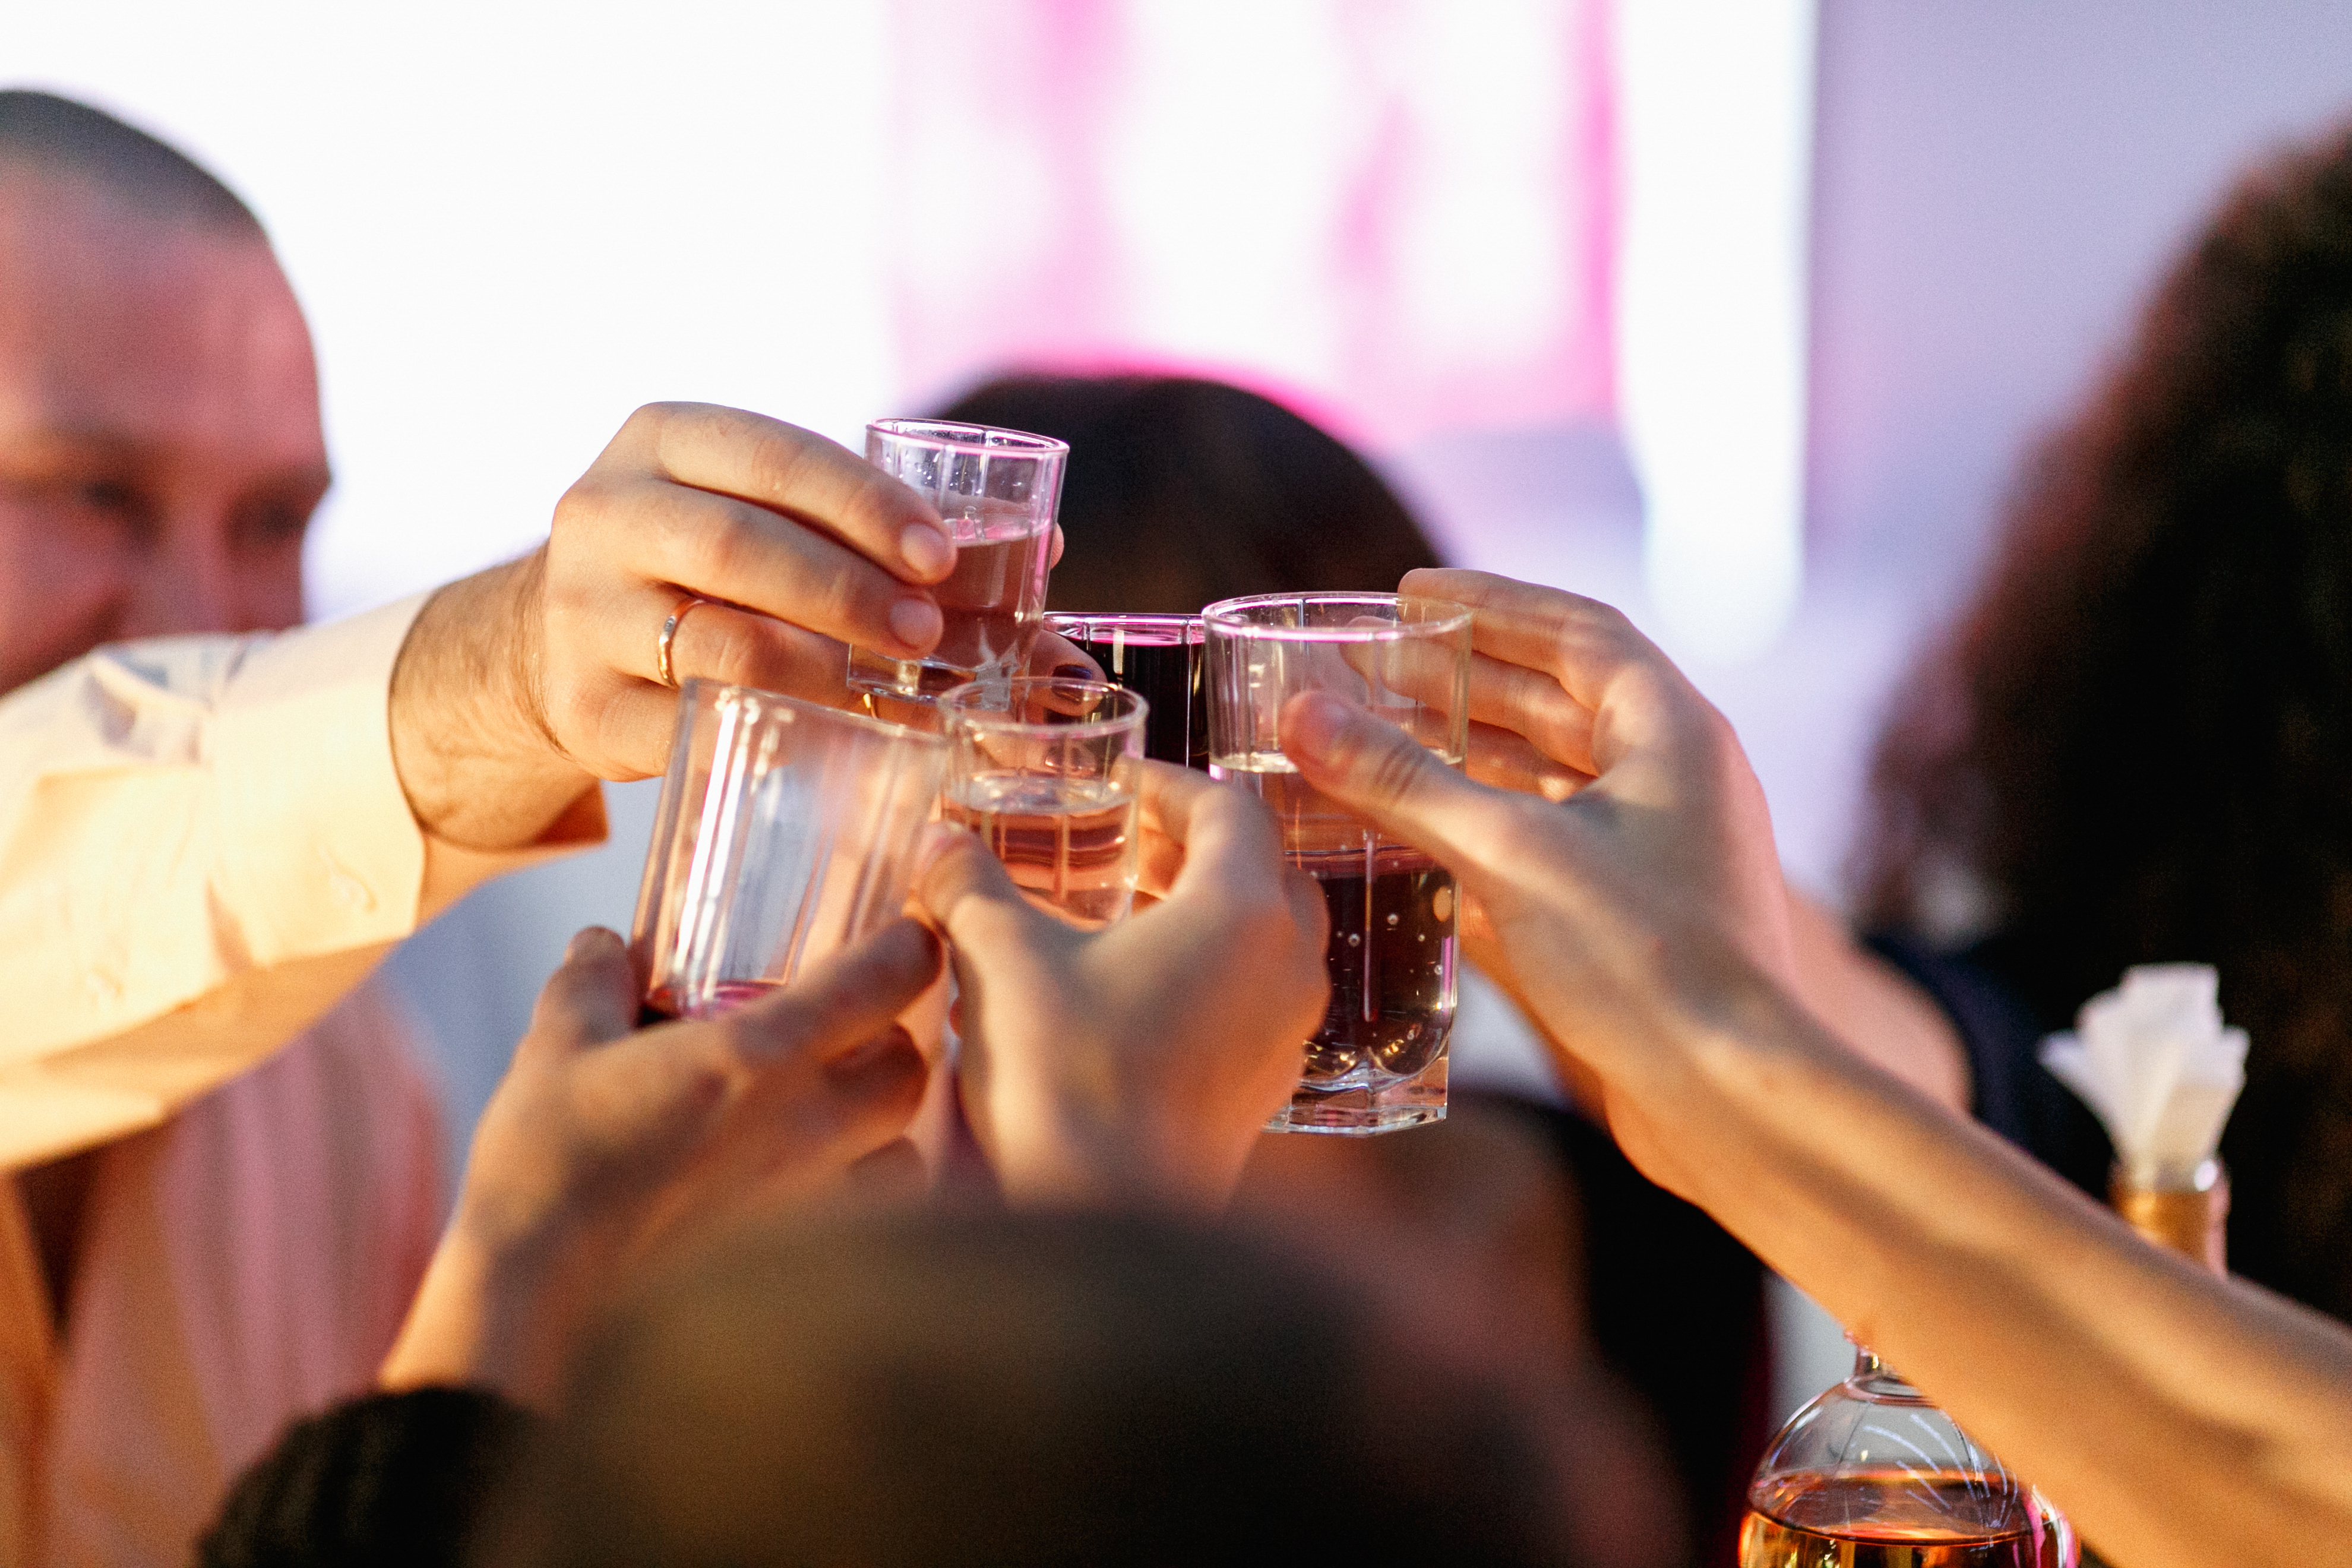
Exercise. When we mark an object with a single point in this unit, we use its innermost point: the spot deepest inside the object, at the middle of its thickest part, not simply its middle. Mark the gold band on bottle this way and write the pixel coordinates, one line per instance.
(2189, 1220)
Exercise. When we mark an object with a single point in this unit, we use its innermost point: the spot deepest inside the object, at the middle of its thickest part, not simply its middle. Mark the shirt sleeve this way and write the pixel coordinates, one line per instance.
(203, 846)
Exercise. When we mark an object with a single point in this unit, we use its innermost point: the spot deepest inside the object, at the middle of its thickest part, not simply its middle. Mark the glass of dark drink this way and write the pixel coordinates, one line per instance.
(997, 491)
(1043, 769)
(1158, 658)
(1378, 1064)
(784, 831)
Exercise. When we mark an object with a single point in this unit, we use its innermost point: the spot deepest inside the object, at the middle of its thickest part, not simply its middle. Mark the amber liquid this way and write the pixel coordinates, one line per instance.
(1069, 842)
(1893, 1519)
(1390, 954)
(990, 610)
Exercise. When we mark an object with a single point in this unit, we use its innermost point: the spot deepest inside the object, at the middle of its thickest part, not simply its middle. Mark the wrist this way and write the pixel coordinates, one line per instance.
(470, 741)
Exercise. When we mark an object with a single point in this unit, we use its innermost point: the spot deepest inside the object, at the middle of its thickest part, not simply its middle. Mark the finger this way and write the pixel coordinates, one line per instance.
(843, 999)
(796, 1130)
(591, 998)
(1232, 844)
(1387, 777)
(1167, 797)
(1534, 704)
(1581, 642)
(801, 474)
(1054, 653)
(716, 641)
(721, 547)
(966, 892)
(1512, 762)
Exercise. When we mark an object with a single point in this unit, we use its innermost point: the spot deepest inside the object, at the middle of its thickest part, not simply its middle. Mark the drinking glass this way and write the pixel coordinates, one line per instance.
(1378, 1064)
(1872, 1475)
(1158, 658)
(997, 491)
(1045, 770)
(785, 830)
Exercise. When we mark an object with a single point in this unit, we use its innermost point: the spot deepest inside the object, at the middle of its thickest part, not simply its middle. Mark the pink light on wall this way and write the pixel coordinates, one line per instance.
(1403, 210)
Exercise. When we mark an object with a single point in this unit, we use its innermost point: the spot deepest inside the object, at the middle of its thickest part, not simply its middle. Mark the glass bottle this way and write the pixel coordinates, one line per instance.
(1871, 1475)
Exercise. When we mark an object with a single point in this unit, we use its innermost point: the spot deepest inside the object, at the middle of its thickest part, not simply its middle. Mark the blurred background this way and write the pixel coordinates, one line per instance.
(1740, 314)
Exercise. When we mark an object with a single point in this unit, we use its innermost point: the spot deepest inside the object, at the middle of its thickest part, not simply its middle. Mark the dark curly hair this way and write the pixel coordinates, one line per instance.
(2136, 745)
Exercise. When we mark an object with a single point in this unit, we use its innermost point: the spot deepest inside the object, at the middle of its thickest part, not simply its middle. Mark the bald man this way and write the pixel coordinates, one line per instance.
(211, 827)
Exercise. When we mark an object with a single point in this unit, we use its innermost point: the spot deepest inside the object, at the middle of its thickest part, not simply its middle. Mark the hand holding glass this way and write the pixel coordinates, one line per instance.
(997, 491)
(1044, 771)
(1379, 1062)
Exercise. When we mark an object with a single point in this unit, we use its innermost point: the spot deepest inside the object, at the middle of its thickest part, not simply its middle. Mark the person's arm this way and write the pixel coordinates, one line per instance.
(2177, 1418)
(204, 842)
(605, 1143)
(1139, 1062)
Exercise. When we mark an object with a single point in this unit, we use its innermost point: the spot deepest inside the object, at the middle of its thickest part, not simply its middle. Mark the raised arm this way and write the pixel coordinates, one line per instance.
(2179, 1418)
(206, 841)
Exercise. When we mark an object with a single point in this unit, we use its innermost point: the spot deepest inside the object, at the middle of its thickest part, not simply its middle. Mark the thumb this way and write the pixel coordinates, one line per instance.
(591, 998)
(1393, 782)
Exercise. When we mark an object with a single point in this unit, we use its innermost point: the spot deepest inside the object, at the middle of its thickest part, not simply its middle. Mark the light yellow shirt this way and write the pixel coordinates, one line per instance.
(203, 848)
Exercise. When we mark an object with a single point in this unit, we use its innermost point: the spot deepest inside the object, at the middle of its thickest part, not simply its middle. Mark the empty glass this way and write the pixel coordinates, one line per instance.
(1043, 769)
(784, 831)
(1159, 658)
(1378, 1064)
(997, 490)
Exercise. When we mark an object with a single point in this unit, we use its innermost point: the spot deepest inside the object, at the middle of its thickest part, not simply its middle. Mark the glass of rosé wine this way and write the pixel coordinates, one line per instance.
(997, 491)
(1378, 1064)
(785, 830)
(1043, 769)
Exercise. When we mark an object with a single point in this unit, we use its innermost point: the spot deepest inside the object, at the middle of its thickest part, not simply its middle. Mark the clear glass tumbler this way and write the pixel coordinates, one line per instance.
(1045, 770)
(1379, 1062)
(997, 490)
(784, 831)
(1158, 658)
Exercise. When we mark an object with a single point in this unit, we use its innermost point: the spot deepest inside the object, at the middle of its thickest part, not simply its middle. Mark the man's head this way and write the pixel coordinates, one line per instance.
(948, 1387)
(161, 451)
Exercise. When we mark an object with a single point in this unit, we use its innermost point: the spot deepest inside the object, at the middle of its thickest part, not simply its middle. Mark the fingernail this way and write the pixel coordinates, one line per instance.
(584, 941)
(1076, 671)
(926, 550)
(915, 622)
(1311, 721)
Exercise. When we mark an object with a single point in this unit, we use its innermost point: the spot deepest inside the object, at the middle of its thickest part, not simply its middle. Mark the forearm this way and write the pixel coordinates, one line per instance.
(2179, 1419)
(469, 739)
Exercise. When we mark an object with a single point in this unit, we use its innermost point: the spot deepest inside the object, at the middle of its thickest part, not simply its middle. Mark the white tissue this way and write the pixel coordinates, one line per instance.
(2154, 1061)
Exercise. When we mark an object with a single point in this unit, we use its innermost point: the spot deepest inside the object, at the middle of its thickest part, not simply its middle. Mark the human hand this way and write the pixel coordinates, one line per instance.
(1143, 1059)
(520, 684)
(1643, 875)
(604, 1141)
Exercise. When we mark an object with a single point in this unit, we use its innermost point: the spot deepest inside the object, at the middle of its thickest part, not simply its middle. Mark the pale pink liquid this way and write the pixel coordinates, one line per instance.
(1068, 844)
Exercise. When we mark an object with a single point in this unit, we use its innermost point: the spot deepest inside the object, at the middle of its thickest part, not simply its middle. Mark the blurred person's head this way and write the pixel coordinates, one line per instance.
(2137, 745)
(1180, 492)
(944, 1388)
(161, 451)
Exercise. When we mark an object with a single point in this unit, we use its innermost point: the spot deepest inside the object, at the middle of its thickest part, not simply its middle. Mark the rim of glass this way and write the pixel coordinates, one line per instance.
(997, 719)
(986, 439)
(1061, 621)
(692, 690)
(1231, 616)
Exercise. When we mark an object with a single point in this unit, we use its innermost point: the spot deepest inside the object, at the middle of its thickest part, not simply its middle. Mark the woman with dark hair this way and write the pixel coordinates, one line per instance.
(2137, 745)
(1181, 492)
